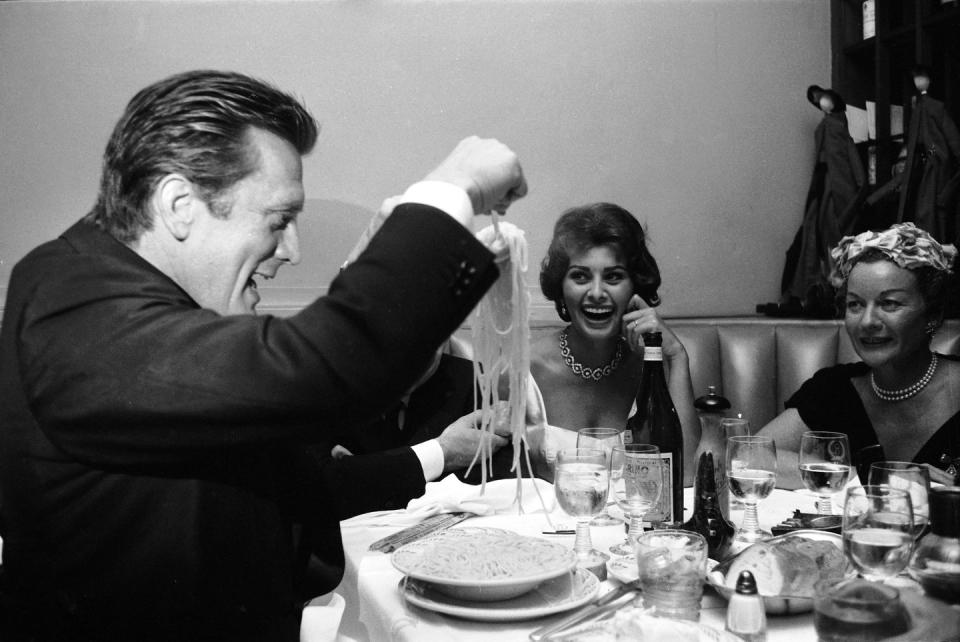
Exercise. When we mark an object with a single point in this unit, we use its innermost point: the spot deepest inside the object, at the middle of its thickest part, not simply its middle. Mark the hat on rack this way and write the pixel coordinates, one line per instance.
(814, 92)
(921, 77)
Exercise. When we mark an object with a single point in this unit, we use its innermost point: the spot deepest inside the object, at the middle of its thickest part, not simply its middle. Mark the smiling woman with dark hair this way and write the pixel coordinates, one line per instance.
(604, 281)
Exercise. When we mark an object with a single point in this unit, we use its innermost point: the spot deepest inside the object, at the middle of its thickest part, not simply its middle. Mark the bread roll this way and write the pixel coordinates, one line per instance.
(777, 569)
(789, 567)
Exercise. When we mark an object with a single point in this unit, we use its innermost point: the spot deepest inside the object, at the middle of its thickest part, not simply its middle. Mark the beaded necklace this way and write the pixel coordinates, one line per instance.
(595, 374)
(909, 391)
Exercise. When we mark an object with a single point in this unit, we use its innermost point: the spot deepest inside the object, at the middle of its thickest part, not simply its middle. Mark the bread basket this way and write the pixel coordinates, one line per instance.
(776, 604)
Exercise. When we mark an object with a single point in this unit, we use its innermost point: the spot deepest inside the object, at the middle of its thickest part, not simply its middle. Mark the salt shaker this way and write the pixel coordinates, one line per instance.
(746, 616)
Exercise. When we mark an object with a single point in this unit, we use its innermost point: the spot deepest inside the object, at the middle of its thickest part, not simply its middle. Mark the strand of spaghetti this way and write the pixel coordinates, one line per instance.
(500, 336)
(500, 333)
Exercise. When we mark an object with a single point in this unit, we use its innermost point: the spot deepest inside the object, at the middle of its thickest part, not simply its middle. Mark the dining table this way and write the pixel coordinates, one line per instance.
(370, 603)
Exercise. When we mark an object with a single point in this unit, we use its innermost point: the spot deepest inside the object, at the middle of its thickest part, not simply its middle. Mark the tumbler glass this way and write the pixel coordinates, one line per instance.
(672, 564)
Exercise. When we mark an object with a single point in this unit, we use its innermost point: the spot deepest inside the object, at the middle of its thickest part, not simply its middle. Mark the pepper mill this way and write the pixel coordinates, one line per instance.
(711, 409)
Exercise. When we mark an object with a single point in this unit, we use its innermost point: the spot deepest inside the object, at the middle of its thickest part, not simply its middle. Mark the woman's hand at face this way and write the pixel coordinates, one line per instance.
(640, 319)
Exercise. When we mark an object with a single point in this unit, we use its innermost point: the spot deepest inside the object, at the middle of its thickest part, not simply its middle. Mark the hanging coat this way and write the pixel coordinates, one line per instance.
(834, 199)
(933, 171)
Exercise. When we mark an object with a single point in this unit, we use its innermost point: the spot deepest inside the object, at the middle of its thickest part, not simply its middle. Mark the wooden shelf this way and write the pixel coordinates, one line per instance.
(877, 69)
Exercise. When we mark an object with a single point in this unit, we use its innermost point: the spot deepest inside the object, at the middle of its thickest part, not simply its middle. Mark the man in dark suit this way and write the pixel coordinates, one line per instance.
(150, 424)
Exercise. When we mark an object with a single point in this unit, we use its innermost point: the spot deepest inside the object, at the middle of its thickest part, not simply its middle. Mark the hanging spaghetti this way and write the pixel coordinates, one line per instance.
(500, 333)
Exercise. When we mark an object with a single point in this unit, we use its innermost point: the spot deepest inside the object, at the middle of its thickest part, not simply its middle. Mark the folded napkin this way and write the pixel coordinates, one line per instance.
(450, 495)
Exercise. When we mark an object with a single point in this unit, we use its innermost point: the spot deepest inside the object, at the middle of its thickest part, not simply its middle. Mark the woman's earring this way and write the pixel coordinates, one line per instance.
(931, 328)
(562, 311)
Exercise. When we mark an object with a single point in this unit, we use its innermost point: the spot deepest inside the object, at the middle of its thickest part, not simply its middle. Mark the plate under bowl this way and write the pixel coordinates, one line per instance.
(556, 595)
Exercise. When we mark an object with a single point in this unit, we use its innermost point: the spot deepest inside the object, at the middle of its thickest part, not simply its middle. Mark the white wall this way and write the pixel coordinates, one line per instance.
(690, 113)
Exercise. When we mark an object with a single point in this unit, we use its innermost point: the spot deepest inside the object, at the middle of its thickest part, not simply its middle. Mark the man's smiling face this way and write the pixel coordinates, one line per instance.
(256, 237)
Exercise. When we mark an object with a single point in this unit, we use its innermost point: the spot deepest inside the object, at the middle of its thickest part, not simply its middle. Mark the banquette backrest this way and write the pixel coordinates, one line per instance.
(759, 362)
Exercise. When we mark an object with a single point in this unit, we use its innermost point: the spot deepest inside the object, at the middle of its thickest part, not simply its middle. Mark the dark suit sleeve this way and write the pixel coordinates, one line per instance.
(119, 372)
(357, 484)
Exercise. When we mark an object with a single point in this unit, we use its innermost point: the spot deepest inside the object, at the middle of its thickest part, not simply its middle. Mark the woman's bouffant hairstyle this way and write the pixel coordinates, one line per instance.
(587, 226)
(195, 124)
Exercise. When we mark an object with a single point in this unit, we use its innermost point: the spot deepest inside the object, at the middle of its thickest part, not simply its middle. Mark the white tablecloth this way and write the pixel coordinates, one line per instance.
(375, 610)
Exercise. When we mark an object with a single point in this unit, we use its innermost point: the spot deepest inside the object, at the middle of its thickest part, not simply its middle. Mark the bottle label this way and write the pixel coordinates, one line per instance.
(653, 353)
(663, 510)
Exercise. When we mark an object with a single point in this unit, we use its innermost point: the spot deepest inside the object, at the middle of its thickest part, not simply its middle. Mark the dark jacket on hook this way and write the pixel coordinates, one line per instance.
(836, 194)
(932, 175)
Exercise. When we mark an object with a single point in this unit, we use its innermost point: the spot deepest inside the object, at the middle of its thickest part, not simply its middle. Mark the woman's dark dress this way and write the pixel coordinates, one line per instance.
(828, 401)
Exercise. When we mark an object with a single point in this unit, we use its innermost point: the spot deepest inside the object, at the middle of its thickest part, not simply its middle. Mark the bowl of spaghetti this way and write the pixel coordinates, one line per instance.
(483, 564)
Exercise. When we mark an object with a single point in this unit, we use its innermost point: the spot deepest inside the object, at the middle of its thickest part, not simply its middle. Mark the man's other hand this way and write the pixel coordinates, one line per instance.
(461, 439)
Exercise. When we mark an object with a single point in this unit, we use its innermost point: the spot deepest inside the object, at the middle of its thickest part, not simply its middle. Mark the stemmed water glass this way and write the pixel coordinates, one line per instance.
(878, 530)
(730, 427)
(581, 483)
(605, 439)
(639, 488)
(908, 476)
(751, 463)
(824, 465)
(735, 426)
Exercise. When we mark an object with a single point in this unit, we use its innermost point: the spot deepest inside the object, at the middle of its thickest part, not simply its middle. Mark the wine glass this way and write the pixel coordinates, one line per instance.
(824, 465)
(604, 439)
(752, 470)
(638, 489)
(878, 530)
(731, 427)
(581, 483)
(908, 476)
(735, 426)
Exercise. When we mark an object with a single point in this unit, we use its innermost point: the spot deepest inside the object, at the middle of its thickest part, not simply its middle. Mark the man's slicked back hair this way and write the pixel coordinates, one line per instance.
(194, 124)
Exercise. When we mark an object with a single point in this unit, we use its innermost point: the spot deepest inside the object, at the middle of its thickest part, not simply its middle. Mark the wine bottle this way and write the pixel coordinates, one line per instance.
(707, 518)
(656, 422)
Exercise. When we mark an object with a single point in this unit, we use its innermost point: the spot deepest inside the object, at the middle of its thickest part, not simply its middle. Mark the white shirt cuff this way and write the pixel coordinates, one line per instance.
(430, 455)
(444, 196)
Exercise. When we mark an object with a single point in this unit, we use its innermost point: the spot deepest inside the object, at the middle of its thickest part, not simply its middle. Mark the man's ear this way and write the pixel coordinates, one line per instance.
(175, 199)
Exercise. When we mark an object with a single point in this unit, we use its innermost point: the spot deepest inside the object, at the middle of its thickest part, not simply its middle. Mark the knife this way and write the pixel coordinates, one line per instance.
(430, 525)
(597, 607)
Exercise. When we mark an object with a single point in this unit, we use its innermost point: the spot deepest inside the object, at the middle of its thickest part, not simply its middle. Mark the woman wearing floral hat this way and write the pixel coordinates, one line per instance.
(902, 401)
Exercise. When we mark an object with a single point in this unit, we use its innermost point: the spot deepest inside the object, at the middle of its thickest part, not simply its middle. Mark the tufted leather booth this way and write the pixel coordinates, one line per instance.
(759, 362)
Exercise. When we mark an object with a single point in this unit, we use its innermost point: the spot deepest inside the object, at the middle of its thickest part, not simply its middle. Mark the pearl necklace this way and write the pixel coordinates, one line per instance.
(909, 391)
(596, 374)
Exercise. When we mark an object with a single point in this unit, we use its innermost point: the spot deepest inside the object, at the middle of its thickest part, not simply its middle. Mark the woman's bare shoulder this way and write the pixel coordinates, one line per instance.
(545, 349)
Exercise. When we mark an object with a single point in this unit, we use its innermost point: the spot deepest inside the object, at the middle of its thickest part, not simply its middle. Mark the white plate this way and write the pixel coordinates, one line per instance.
(624, 568)
(472, 582)
(553, 596)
